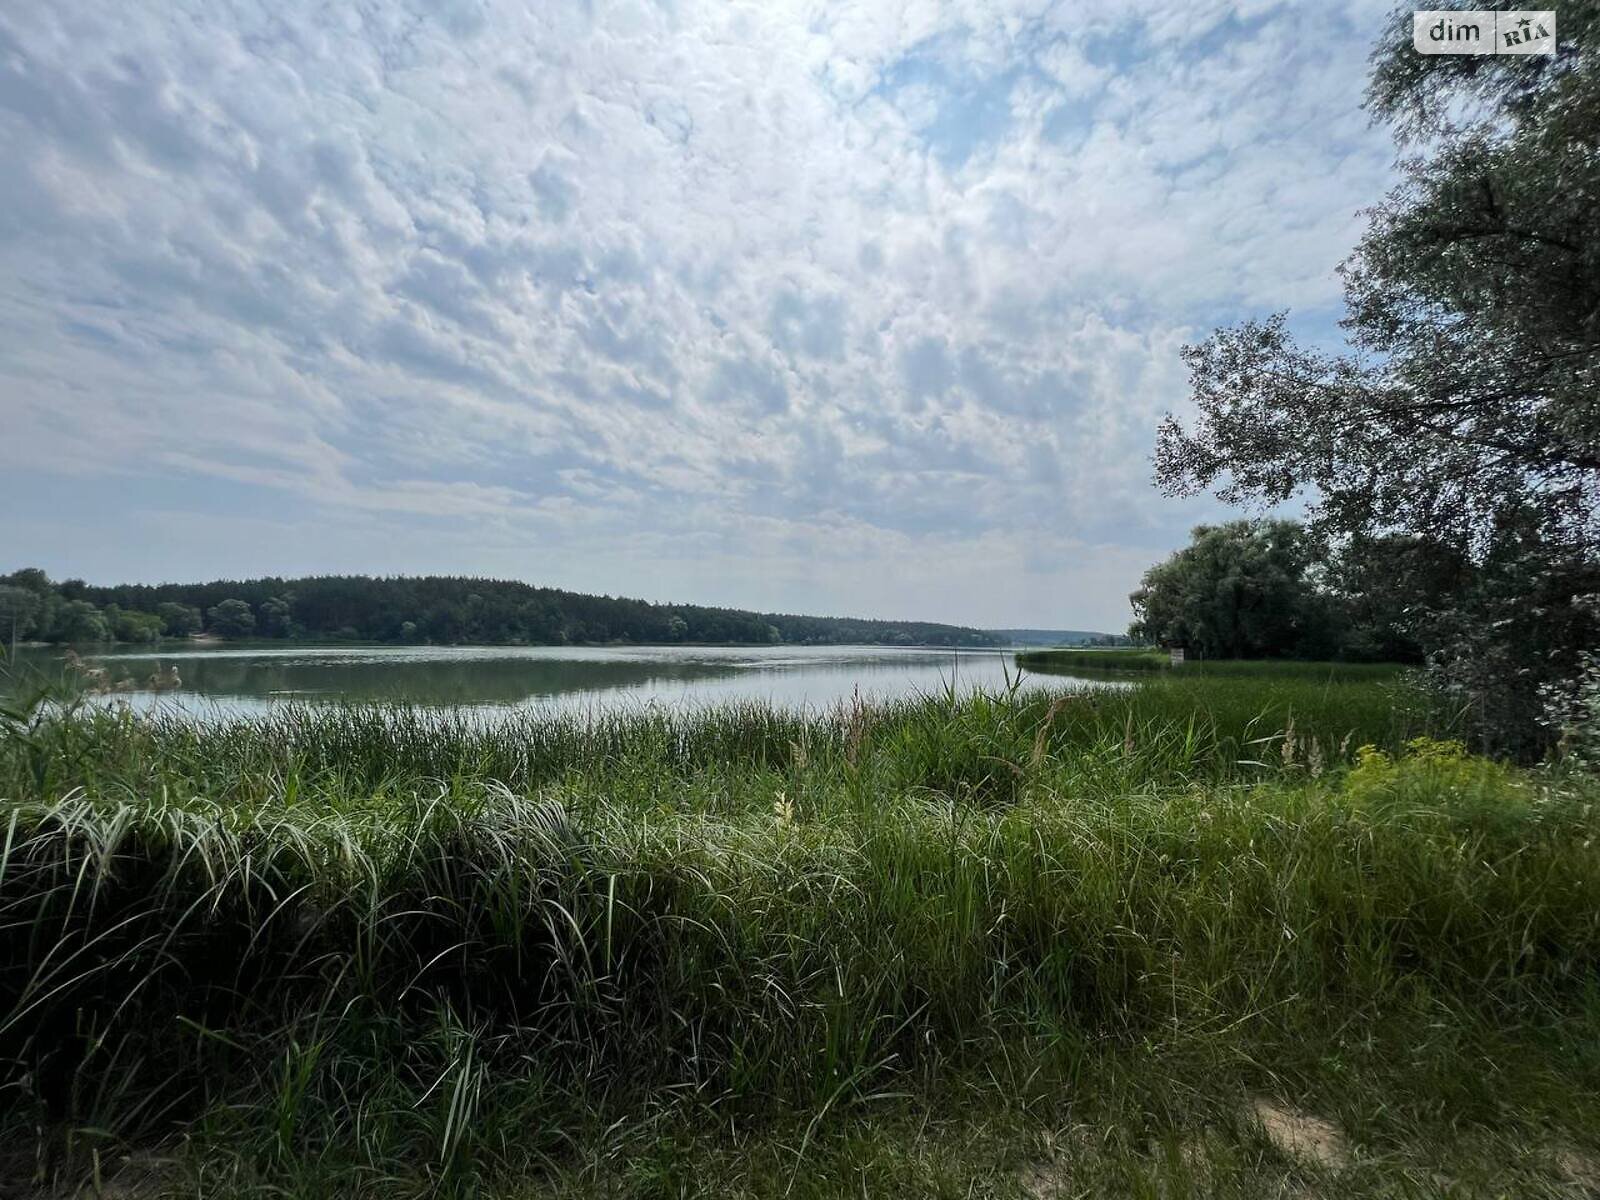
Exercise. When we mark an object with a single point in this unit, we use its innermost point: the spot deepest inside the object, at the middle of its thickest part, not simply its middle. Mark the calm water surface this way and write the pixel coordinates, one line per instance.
(233, 679)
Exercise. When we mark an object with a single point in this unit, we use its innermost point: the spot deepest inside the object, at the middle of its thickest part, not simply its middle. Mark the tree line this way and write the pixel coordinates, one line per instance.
(1273, 589)
(445, 610)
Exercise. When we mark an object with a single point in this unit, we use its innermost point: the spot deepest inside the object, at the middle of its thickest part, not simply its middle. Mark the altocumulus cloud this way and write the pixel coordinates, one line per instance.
(850, 309)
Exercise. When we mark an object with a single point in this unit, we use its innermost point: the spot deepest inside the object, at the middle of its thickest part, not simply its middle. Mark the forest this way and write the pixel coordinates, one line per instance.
(442, 610)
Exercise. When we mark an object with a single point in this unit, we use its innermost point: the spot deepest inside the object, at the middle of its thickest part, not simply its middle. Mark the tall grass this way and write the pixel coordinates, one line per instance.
(387, 951)
(1180, 725)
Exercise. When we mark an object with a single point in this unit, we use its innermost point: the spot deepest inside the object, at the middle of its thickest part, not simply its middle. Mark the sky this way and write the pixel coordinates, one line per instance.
(843, 309)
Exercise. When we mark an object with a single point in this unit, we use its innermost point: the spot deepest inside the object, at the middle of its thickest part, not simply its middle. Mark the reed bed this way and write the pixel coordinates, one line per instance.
(389, 951)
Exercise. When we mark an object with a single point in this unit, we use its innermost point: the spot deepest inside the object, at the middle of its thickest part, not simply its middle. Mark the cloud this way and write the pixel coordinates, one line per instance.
(770, 304)
(926, 368)
(553, 192)
(813, 327)
(744, 385)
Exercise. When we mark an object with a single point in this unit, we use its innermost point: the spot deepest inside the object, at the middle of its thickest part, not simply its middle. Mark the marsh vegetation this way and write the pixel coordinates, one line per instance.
(1001, 944)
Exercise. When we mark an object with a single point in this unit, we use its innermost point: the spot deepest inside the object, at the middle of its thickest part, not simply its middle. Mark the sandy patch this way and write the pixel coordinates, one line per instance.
(1310, 1139)
(1044, 1180)
(1579, 1169)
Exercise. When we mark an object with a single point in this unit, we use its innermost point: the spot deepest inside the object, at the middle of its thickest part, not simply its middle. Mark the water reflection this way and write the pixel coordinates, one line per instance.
(245, 678)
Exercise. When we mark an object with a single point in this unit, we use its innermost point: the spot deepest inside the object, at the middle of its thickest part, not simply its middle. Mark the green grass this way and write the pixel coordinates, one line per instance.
(1067, 662)
(951, 947)
(1064, 660)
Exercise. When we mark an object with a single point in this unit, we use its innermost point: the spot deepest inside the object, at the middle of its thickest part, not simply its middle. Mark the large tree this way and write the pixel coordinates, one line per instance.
(231, 619)
(275, 616)
(1466, 409)
(20, 611)
(178, 620)
(79, 621)
(1391, 593)
(1240, 590)
(1473, 313)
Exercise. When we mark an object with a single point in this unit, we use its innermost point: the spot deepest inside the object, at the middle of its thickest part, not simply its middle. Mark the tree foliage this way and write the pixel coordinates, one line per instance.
(452, 610)
(231, 619)
(275, 619)
(132, 626)
(80, 621)
(1269, 589)
(179, 620)
(1472, 385)
(1466, 410)
(1391, 593)
(20, 611)
(1240, 590)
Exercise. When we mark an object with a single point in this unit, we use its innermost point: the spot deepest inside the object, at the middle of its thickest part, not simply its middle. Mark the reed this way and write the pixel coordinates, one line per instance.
(387, 951)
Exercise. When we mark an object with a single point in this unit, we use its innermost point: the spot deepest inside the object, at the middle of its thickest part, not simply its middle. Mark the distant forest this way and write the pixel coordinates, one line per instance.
(434, 609)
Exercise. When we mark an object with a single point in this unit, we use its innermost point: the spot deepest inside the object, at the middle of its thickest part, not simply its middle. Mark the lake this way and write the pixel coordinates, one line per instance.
(250, 677)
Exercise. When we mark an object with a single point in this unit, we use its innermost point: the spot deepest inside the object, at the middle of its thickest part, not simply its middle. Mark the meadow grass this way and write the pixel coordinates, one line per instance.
(1014, 944)
(1063, 660)
(1146, 659)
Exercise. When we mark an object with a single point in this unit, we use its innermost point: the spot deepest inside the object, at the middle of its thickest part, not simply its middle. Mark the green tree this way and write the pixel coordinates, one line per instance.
(135, 627)
(1471, 306)
(231, 619)
(30, 579)
(178, 620)
(448, 610)
(1393, 592)
(1240, 590)
(275, 621)
(1467, 409)
(20, 611)
(79, 621)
